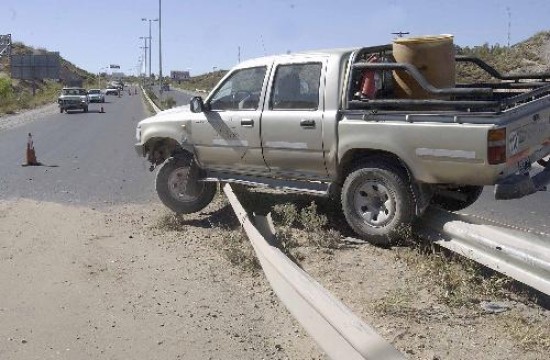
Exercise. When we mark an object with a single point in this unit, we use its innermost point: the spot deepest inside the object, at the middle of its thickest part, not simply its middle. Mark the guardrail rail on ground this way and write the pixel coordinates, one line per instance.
(520, 255)
(339, 332)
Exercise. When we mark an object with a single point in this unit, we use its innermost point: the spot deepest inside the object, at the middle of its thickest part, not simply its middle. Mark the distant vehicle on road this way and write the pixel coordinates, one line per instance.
(112, 90)
(96, 95)
(117, 84)
(166, 87)
(73, 98)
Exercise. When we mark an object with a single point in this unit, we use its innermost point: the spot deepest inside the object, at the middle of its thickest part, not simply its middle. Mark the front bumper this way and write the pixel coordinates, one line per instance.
(140, 149)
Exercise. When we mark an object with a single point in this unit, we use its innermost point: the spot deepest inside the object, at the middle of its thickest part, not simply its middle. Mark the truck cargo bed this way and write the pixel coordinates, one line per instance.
(505, 92)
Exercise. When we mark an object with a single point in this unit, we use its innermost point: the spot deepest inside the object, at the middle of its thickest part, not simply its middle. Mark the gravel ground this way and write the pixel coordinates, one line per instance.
(27, 116)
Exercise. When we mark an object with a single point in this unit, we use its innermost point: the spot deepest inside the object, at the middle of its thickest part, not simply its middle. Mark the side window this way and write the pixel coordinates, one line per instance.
(241, 91)
(296, 87)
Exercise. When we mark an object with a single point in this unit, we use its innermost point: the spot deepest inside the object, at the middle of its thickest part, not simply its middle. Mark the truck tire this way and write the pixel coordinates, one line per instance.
(464, 196)
(178, 187)
(377, 201)
(61, 110)
(85, 109)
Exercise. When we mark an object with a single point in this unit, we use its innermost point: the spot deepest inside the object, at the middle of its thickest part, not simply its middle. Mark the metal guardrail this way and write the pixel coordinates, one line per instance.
(340, 333)
(155, 107)
(520, 255)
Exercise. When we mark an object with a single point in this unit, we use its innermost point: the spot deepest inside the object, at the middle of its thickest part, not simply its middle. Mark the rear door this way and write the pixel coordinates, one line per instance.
(292, 121)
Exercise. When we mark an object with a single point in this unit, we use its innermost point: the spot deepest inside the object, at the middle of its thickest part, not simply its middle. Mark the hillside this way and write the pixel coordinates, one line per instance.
(529, 56)
(17, 94)
(202, 82)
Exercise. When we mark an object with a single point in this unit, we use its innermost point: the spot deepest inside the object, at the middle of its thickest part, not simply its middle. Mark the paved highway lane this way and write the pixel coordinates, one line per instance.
(182, 97)
(89, 157)
(529, 213)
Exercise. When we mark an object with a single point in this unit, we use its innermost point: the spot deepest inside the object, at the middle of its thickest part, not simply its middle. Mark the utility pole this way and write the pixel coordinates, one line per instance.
(160, 47)
(150, 41)
(509, 24)
(145, 53)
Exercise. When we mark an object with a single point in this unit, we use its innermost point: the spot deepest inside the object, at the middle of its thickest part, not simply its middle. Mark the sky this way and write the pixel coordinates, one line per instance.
(199, 36)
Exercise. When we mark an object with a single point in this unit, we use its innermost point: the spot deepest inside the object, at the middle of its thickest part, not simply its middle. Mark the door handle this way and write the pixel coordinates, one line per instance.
(247, 122)
(307, 123)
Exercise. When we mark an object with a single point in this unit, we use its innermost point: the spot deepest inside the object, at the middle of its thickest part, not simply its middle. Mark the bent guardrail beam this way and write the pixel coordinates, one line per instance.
(520, 255)
(151, 102)
(340, 333)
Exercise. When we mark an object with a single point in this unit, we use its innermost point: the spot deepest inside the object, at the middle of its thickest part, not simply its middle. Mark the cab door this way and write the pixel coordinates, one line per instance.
(227, 135)
(292, 122)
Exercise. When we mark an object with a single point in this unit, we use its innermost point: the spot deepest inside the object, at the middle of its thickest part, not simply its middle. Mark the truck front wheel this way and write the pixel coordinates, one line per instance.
(178, 186)
(377, 201)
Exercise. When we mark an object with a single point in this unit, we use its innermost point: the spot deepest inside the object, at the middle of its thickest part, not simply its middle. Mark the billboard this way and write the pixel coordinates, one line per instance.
(179, 75)
(29, 67)
(5, 45)
(117, 75)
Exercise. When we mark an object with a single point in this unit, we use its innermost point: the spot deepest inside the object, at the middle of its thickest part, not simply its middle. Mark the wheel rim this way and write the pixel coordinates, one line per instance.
(374, 203)
(183, 186)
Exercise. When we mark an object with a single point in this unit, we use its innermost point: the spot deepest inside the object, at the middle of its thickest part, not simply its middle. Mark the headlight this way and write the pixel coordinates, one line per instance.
(138, 133)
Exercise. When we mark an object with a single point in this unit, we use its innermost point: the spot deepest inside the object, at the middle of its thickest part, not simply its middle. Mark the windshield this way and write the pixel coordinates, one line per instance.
(94, 91)
(74, 92)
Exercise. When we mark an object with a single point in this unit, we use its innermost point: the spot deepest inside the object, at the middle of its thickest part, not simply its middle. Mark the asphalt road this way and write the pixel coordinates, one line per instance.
(182, 97)
(531, 213)
(88, 158)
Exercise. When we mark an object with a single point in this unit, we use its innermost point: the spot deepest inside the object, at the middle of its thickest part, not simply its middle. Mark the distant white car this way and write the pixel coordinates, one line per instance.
(96, 95)
(112, 90)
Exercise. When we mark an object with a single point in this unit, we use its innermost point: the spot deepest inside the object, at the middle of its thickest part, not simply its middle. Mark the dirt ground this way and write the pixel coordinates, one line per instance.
(80, 283)
(124, 283)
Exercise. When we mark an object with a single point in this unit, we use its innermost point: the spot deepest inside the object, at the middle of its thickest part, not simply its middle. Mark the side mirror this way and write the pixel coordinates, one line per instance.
(196, 104)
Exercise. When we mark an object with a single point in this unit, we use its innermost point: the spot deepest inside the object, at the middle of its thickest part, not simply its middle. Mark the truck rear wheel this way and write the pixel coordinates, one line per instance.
(377, 201)
(178, 187)
(457, 198)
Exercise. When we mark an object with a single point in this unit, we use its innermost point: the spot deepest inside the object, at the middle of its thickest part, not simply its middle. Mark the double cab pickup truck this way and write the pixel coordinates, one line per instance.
(332, 123)
(73, 98)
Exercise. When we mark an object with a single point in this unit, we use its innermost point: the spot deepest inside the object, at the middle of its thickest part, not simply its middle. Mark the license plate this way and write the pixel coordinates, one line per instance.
(524, 164)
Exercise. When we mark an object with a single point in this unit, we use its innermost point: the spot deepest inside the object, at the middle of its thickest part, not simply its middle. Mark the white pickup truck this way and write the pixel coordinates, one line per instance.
(311, 122)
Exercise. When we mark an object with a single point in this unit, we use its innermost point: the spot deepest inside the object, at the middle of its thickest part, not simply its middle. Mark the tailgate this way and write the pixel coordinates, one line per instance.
(527, 141)
(528, 138)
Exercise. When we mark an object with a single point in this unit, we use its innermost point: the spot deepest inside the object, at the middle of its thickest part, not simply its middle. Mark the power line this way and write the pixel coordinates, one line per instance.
(509, 24)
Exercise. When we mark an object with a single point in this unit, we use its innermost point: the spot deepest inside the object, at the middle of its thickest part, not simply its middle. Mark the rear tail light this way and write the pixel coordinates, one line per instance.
(496, 146)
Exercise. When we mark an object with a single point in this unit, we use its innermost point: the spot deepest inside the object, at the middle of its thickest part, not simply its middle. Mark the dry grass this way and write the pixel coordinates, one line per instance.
(457, 281)
(237, 249)
(530, 335)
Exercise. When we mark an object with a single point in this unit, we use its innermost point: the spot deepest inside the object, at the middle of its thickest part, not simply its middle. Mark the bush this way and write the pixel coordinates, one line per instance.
(6, 91)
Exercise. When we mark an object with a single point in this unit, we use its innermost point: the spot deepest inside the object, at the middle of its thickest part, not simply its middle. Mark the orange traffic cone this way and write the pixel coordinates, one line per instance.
(31, 154)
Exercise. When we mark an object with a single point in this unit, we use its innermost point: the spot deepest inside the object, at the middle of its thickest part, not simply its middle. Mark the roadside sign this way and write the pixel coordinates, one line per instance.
(29, 67)
(5, 45)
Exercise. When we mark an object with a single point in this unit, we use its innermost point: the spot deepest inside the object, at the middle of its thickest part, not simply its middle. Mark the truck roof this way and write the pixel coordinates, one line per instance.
(269, 59)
